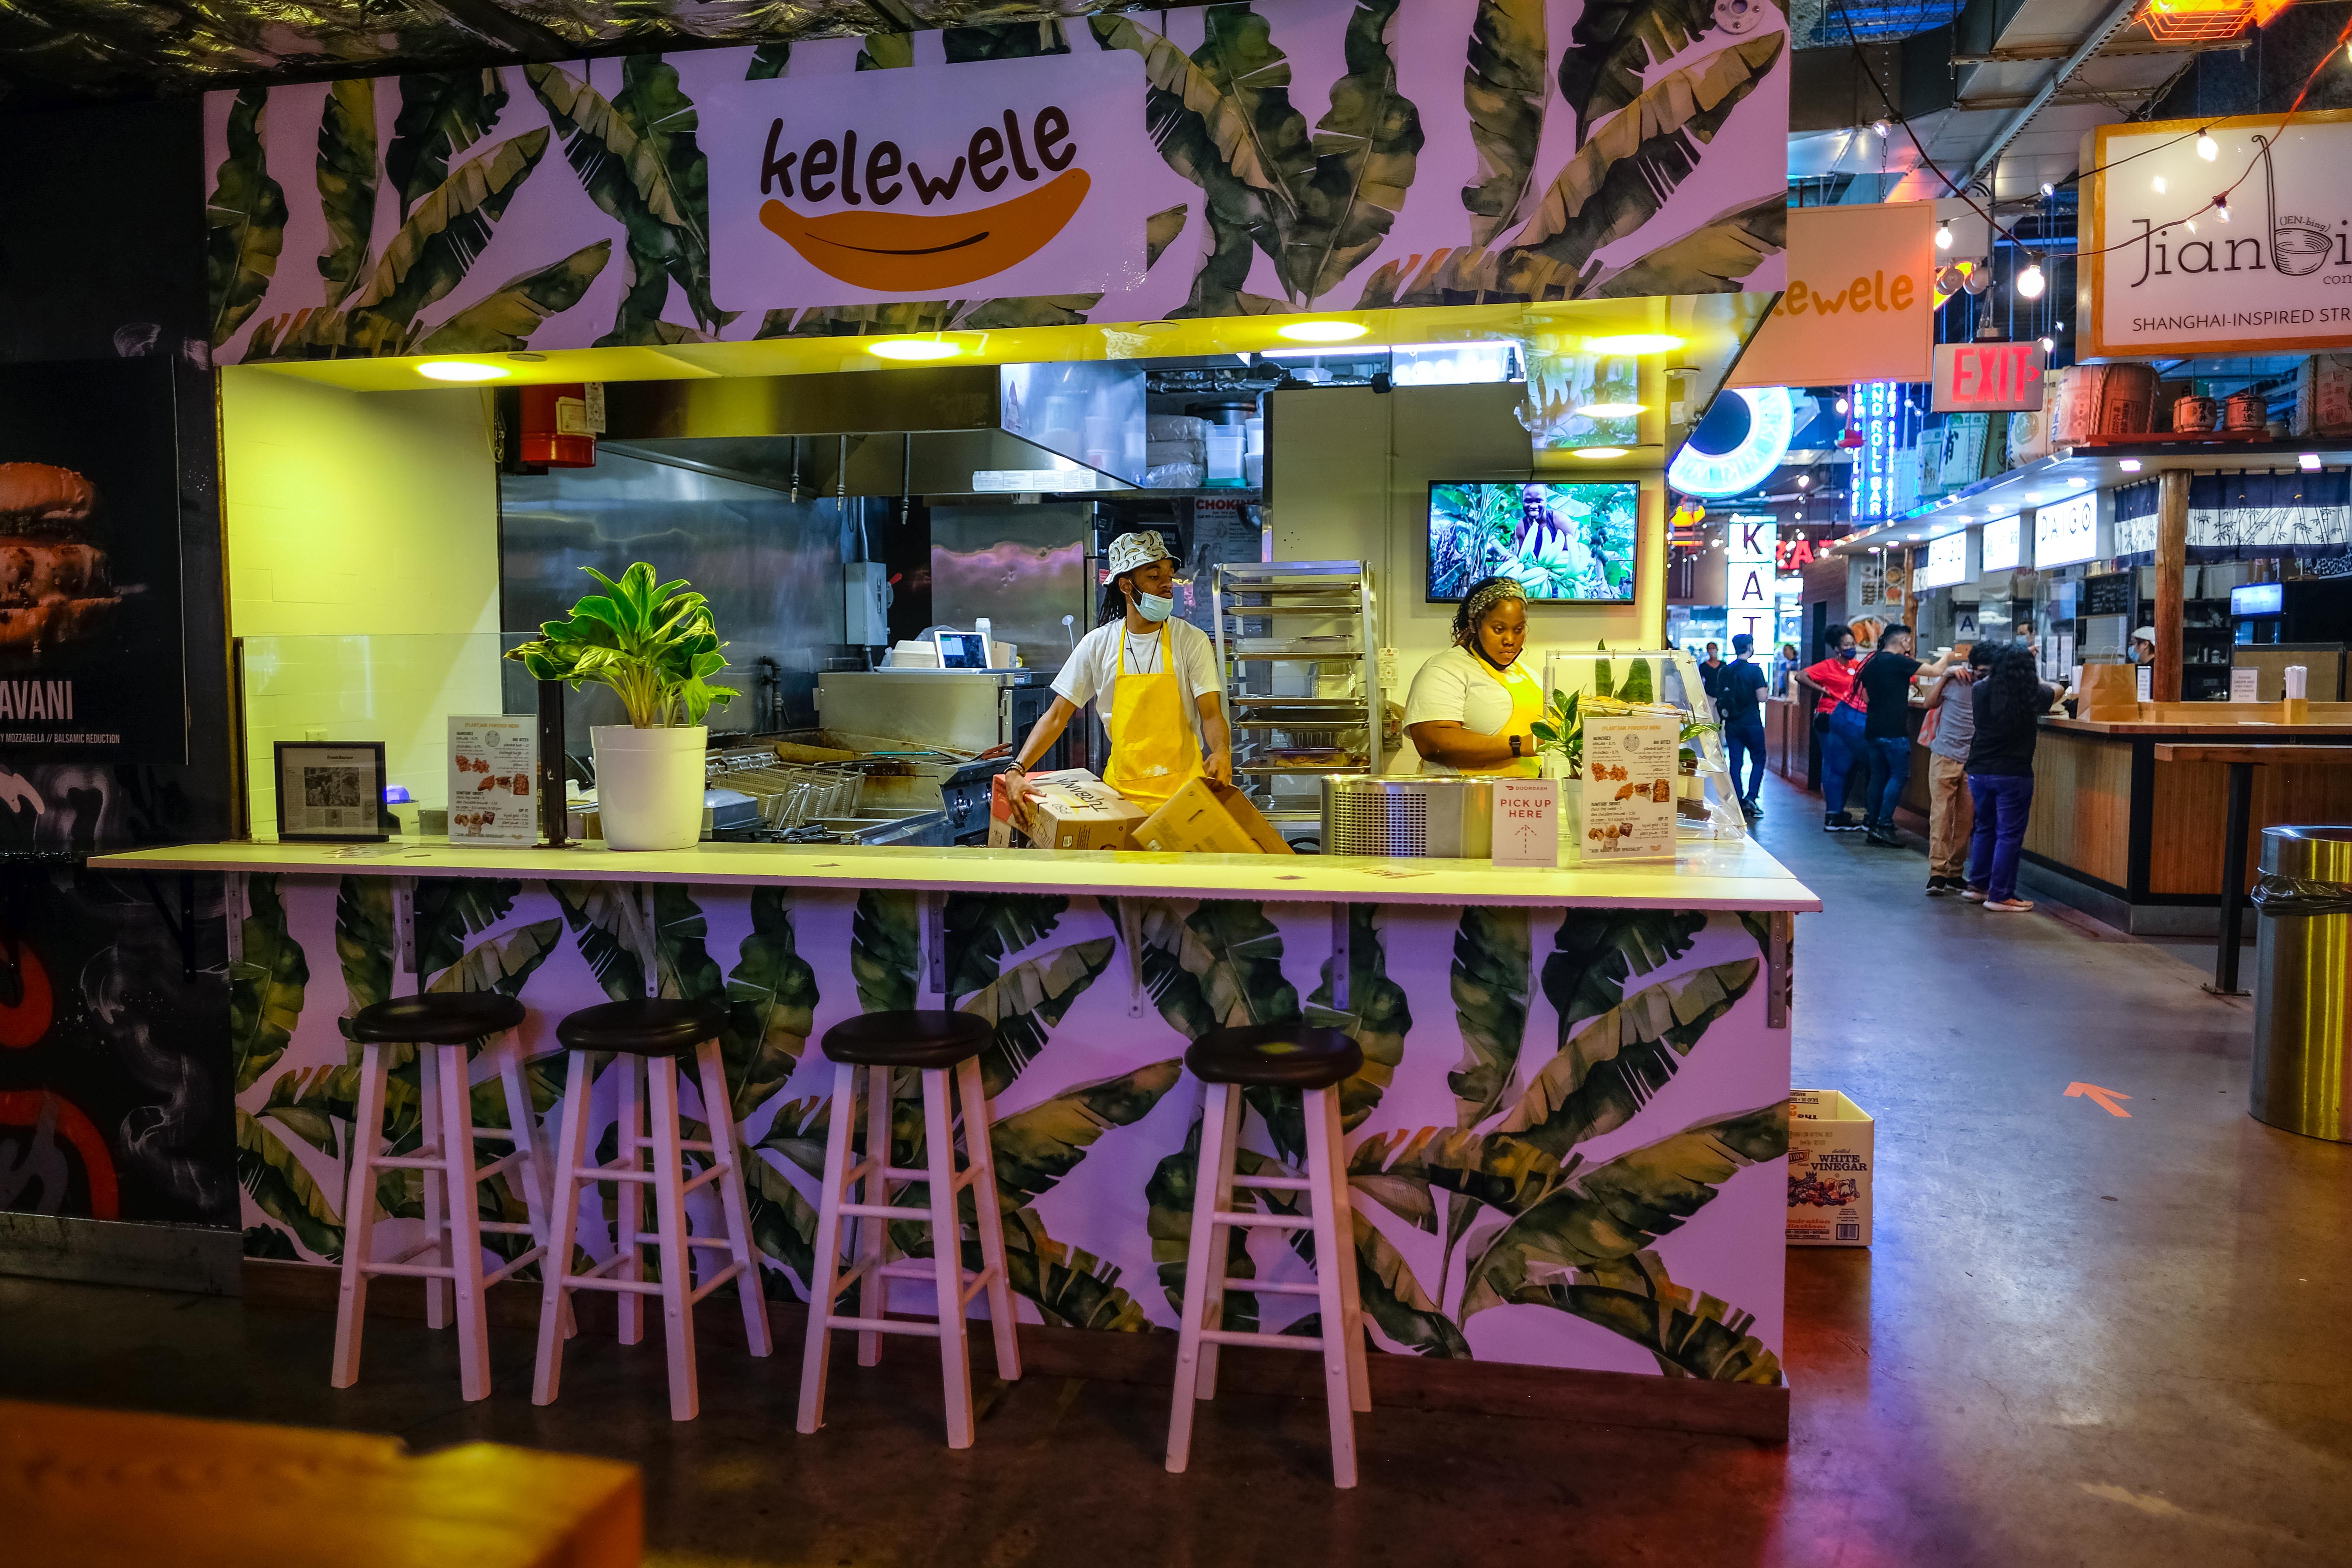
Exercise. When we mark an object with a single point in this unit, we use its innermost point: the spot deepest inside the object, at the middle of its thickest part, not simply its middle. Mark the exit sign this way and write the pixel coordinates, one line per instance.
(1988, 378)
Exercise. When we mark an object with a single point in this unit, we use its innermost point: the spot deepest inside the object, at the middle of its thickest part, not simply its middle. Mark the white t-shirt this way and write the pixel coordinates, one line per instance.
(1091, 671)
(1458, 687)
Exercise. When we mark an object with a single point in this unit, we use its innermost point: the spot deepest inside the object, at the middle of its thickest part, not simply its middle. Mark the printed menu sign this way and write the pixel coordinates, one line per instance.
(493, 766)
(1629, 785)
(1526, 822)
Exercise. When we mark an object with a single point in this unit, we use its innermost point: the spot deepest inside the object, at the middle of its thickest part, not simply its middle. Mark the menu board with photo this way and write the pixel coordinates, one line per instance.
(493, 774)
(331, 791)
(1629, 785)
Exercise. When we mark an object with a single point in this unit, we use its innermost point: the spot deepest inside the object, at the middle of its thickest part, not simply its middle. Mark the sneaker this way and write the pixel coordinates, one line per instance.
(1755, 812)
(1939, 885)
(2010, 906)
(1973, 895)
(1886, 837)
(1833, 823)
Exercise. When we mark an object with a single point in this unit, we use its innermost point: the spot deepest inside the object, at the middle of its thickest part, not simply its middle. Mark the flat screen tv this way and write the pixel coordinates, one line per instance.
(1571, 545)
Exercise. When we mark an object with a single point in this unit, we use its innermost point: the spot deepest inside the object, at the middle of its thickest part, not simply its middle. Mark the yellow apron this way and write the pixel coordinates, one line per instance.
(1152, 752)
(1526, 706)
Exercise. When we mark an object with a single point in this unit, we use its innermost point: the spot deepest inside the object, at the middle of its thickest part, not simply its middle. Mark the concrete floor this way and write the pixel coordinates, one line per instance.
(2079, 1339)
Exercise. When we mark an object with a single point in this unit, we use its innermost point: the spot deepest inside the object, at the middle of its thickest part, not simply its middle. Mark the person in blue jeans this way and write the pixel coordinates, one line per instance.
(2010, 701)
(1882, 687)
(1833, 678)
(1736, 691)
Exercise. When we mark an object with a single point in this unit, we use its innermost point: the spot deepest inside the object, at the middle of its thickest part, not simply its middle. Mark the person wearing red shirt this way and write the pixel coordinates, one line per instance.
(1833, 678)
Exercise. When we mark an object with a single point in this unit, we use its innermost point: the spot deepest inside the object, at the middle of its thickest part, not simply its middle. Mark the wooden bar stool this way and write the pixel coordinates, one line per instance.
(439, 1026)
(1279, 1057)
(874, 1044)
(646, 1036)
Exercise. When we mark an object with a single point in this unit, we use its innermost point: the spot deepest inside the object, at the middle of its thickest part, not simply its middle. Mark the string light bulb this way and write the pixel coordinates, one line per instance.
(2222, 208)
(2030, 282)
(2207, 148)
(2049, 345)
(2159, 185)
(1943, 235)
(1880, 126)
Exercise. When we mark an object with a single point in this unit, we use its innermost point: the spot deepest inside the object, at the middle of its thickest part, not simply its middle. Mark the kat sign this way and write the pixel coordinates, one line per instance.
(1749, 588)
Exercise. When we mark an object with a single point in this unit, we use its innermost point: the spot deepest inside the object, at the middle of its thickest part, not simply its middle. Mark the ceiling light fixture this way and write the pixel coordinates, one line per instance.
(1601, 454)
(2309, 462)
(1634, 343)
(2129, 464)
(913, 348)
(461, 370)
(1610, 410)
(1323, 331)
(1944, 235)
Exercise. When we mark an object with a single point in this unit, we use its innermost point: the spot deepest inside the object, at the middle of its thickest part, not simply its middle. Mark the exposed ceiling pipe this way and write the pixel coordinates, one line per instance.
(2115, 22)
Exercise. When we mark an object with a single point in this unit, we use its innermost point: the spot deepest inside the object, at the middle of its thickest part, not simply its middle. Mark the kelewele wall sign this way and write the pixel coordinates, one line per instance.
(1314, 154)
(2164, 273)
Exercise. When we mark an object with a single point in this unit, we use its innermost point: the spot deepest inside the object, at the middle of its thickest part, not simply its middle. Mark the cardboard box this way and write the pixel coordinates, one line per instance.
(1830, 1152)
(1067, 810)
(1206, 817)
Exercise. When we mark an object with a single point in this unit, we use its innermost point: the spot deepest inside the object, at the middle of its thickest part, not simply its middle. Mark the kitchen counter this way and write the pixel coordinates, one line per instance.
(1600, 1058)
(1707, 875)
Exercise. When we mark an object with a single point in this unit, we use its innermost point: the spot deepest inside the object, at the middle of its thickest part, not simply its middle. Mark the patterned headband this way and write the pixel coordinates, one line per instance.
(1474, 608)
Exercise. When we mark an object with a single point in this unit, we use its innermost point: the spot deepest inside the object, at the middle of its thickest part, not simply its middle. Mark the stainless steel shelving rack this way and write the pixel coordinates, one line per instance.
(1297, 603)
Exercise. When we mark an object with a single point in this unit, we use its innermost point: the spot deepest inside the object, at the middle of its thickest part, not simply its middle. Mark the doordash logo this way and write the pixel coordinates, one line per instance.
(881, 239)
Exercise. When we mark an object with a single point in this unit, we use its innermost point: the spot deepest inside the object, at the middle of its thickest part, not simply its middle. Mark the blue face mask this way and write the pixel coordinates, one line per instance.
(1153, 608)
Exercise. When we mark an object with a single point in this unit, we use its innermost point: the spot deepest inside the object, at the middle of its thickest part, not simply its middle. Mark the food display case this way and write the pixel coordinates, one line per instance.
(1706, 806)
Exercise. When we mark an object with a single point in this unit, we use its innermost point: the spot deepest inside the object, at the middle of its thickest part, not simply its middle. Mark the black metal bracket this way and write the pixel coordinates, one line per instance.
(183, 928)
(554, 790)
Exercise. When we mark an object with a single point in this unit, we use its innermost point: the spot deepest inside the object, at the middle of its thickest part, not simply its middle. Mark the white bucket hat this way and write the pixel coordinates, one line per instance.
(1129, 550)
(2145, 635)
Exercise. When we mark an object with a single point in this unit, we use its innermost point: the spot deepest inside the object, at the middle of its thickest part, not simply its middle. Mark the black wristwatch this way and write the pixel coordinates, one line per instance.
(1515, 744)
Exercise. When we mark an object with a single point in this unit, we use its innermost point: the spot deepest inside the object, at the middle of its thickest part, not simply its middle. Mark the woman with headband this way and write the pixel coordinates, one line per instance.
(1473, 708)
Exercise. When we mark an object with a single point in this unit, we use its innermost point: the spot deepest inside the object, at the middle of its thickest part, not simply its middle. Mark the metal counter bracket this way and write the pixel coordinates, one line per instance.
(236, 907)
(1779, 943)
(1342, 959)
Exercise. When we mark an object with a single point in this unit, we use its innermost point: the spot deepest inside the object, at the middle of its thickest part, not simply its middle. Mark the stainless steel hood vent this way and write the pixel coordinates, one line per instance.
(939, 427)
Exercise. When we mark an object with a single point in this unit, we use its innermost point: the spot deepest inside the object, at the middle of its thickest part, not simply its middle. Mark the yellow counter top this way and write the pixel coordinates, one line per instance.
(1734, 875)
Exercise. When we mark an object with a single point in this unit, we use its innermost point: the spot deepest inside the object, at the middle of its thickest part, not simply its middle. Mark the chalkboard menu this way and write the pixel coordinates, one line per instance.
(2110, 594)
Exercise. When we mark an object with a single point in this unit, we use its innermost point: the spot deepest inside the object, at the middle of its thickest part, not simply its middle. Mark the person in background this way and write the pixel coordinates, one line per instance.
(2143, 645)
(1833, 678)
(1955, 721)
(1783, 667)
(2008, 700)
(1473, 708)
(1743, 720)
(1710, 678)
(1883, 688)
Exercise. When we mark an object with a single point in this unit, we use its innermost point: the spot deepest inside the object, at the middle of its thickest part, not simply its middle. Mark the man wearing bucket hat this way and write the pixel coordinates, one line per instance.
(1152, 679)
(2143, 645)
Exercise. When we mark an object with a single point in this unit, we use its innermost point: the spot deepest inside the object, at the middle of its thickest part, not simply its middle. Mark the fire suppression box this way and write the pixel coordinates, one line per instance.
(865, 605)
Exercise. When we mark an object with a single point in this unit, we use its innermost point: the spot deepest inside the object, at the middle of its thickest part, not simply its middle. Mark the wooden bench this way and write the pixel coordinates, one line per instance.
(99, 1488)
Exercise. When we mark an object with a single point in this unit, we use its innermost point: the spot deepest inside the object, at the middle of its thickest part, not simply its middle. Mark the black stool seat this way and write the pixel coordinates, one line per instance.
(1274, 1056)
(929, 1037)
(642, 1027)
(437, 1019)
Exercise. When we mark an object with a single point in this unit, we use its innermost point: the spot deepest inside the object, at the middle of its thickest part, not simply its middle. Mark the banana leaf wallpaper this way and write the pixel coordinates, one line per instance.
(1231, 160)
(1567, 1144)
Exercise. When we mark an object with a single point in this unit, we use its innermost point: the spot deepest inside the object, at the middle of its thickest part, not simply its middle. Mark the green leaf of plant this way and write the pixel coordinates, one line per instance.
(1069, 1285)
(1491, 976)
(1703, 1338)
(607, 930)
(1596, 950)
(1616, 1209)
(448, 230)
(503, 964)
(1605, 1074)
(771, 996)
(885, 51)
(1387, 1167)
(1394, 1299)
(980, 929)
(1240, 956)
(450, 909)
(1503, 90)
(1160, 937)
(311, 1103)
(504, 320)
(347, 183)
(1204, 119)
(283, 1190)
(1037, 1147)
(363, 942)
(1217, 285)
(1159, 232)
(784, 1223)
(1621, 177)
(1366, 148)
(1004, 41)
(442, 113)
(245, 220)
(1034, 310)
(1614, 42)
(1378, 1018)
(769, 60)
(1170, 1191)
(882, 949)
(683, 960)
(1025, 1004)
(265, 986)
(1712, 260)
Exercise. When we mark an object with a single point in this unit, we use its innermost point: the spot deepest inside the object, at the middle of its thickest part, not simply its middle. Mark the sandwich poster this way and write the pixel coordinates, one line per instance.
(1219, 161)
(90, 666)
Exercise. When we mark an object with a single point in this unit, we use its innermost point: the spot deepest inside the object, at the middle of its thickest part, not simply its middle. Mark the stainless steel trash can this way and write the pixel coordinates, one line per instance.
(2302, 981)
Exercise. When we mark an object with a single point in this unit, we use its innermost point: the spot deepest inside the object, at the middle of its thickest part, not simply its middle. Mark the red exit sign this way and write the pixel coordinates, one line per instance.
(1988, 378)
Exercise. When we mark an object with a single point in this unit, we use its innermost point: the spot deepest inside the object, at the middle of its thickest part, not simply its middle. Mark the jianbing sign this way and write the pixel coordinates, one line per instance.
(1310, 156)
(2165, 272)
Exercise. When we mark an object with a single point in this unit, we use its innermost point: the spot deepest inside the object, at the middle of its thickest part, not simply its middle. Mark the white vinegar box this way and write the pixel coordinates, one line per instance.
(1829, 1153)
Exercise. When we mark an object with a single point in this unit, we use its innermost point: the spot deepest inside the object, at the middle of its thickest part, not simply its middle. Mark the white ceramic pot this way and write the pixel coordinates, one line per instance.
(649, 784)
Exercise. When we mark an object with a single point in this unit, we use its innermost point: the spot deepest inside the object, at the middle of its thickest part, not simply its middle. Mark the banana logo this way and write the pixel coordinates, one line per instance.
(904, 253)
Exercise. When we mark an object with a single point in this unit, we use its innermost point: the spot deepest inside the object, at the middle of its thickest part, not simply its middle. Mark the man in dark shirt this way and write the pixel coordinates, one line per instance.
(1884, 685)
(1710, 676)
(1736, 693)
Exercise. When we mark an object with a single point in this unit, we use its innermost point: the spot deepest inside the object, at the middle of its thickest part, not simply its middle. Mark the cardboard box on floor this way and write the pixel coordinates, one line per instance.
(1067, 810)
(1206, 817)
(1831, 1142)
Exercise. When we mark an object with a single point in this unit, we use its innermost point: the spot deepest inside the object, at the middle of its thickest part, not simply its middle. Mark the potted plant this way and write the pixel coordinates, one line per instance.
(654, 644)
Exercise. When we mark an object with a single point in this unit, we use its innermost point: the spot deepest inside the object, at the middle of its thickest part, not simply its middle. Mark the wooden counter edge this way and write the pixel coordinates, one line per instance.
(2277, 756)
(2245, 728)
